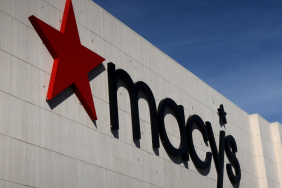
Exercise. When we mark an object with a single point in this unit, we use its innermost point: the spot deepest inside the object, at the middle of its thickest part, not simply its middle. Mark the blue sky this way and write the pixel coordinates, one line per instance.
(235, 46)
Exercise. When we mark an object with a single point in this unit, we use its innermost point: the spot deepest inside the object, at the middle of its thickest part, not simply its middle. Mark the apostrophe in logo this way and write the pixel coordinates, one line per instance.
(72, 61)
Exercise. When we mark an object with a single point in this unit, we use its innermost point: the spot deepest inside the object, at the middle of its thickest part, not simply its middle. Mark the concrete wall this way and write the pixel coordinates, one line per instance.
(57, 145)
(277, 139)
(264, 151)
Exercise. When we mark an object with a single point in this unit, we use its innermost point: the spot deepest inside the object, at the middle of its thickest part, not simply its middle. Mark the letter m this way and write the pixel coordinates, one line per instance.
(133, 90)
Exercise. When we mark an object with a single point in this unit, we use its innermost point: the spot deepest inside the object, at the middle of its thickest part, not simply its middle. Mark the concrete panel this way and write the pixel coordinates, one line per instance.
(95, 24)
(265, 182)
(63, 134)
(88, 175)
(125, 130)
(14, 27)
(65, 171)
(265, 128)
(81, 11)
(40, 167)
(276, 129)
(13, 160)
(251, 165)
(15, 116)
(7, 184)
(271, 170)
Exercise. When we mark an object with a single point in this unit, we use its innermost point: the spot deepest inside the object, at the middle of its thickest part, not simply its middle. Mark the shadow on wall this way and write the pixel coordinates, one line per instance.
(221, 123)
(115, 133)
(235, 185)
(179, 160)
(141, 95)
(64, 95)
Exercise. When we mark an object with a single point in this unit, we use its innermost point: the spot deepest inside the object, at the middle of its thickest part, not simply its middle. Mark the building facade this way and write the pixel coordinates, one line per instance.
(48, 143)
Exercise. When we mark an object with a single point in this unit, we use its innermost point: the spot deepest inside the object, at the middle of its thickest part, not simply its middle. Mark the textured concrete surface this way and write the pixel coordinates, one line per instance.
(57, 145)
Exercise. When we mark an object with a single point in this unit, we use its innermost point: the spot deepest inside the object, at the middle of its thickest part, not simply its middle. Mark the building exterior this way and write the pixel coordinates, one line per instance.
(48, 143)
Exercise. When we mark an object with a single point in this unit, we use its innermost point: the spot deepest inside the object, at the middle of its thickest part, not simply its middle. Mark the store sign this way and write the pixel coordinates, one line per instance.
(157, 116)
(72, 62)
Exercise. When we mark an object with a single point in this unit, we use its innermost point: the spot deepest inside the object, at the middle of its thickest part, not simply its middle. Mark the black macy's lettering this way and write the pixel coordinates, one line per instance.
(157, 116)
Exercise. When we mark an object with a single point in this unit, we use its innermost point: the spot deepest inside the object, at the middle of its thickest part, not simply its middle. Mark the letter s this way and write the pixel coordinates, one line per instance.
(230, 150)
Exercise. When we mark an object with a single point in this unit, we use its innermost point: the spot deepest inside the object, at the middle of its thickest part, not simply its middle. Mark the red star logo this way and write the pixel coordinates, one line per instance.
(72, 61)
